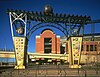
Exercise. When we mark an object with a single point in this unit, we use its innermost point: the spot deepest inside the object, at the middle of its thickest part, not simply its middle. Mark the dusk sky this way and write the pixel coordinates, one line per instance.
(80, 7)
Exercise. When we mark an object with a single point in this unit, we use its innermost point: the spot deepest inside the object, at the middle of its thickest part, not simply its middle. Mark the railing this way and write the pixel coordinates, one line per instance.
(6, 50)
(48, 70)
(7, 64)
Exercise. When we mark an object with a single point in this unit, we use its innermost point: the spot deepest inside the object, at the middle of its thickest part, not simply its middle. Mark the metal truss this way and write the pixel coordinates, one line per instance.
(70, 25)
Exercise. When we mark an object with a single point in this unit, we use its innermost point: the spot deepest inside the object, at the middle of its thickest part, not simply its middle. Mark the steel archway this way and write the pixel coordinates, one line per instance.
(46, 24)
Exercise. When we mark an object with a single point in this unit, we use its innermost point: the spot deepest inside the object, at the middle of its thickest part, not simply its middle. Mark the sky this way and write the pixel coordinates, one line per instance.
(80, 7)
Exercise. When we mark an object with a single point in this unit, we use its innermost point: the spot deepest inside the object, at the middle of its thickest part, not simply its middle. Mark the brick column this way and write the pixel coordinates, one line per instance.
(42, 44)
(58, 44)
(53, 44)
(38, 44)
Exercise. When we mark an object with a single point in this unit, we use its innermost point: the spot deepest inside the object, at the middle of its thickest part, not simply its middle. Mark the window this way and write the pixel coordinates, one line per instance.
(47, 45)
(91, 47)
(99, 47)
(82, 48)
(95, 47)
(87, 48)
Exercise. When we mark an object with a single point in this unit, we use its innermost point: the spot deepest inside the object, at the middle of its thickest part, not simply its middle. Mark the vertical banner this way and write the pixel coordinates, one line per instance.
(75, 44)
(20, 46)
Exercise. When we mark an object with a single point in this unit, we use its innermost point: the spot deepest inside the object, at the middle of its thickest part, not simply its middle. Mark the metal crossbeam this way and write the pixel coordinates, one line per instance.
(7, 54)
(60, 18)
(54, 56)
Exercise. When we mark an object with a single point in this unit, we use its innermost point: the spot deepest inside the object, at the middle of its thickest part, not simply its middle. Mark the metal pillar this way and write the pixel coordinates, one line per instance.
(19, 40)
(74, 45)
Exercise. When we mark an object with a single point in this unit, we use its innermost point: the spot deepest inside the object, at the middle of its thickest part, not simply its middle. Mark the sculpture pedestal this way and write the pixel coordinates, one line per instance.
(20, 46)
(19, 67)
(74, 66)
(74, 49)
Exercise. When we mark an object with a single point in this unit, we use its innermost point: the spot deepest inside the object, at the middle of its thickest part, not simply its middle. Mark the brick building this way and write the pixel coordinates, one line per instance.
(90, 48)
(48, 42)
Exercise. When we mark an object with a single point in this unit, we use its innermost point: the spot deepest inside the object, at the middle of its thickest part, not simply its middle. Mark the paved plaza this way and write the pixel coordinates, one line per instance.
(51, 71)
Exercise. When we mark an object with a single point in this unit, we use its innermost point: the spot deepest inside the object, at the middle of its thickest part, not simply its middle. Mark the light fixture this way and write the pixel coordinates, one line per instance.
(20, 30)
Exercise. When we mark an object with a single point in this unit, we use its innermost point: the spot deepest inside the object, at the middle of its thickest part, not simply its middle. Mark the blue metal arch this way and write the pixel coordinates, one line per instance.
(40, 25)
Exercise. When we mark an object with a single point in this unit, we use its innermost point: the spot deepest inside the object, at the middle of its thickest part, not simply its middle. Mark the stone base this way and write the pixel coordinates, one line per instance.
(19, 67)
(74, 66)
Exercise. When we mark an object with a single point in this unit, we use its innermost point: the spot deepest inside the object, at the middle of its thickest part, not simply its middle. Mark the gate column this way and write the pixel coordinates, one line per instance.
(18, 30)
(74, 49)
